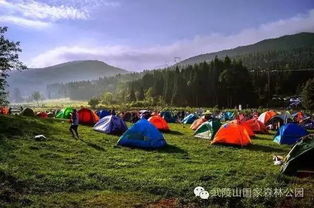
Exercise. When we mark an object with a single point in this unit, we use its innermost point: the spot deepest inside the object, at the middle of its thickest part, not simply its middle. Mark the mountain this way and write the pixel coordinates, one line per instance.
(290, 51)
(31, 80)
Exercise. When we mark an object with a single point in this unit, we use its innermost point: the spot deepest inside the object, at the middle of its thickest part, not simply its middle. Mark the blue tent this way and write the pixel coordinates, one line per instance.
(189, 119)
(229, 115)
(289, 134)
(142, 135)
(168, 116)
(103, 113)
(226, 116)
(309, 124)
(111, 125)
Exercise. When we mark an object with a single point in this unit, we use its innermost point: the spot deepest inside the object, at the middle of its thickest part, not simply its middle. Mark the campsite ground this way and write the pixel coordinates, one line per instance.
(93, 172)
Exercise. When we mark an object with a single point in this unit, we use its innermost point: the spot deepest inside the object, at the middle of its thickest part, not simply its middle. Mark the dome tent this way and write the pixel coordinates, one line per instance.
(208, 129)
(256, 126)
(87, 116)
(142, 135)
(168, 116)
(232, 134)
(266, 116)
(189, 119)
(159, 123)
(281, 118)
(245, 125)
(103, 113)
(42, 115)
(197, 123)
(65, 113)
(289, 134)
(300, 157)
(27, 112)
(111, 125)
(4, 110)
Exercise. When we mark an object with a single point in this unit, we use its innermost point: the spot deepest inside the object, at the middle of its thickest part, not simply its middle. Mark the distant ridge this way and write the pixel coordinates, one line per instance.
(38, 78)
(266, 49)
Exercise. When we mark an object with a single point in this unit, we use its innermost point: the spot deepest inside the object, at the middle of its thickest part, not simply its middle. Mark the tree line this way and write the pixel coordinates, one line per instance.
(219, 83)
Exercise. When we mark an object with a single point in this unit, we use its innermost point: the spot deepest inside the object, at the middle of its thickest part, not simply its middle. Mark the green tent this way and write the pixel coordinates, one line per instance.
(208, 129)
(300, 157)
(65, 113)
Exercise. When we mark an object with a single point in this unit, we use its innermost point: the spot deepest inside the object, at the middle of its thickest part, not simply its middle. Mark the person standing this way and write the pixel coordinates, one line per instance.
(74, 124)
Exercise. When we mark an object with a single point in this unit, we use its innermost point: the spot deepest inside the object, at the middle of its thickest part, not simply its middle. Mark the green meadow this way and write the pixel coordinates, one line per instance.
(93, 172)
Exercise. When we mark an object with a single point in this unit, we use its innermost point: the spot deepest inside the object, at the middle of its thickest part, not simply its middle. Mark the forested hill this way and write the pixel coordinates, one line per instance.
(286, 52)
(37, 79)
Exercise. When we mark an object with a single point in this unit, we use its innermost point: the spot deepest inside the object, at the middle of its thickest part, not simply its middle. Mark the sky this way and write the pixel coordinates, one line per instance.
(145, 34)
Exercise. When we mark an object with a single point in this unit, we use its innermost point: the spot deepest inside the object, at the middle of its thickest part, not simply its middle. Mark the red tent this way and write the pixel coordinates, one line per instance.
(4, 110)
(42, 115)
(87, 116)
(159, 123)
(256, 126)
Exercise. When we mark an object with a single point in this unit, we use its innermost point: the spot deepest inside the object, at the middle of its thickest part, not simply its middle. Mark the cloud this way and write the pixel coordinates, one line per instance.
(32, 13)
(24, 22)
(139, 58)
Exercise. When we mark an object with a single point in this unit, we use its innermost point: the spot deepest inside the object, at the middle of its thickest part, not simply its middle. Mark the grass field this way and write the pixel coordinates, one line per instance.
(93, 172)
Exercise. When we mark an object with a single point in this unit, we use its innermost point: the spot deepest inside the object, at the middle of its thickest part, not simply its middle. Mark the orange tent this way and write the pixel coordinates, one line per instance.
(4, 110)
(247, 127)
(233, 134)
(87, 116)
(266, 116)
(197, 123)
(256, 126)
(159, 123)
(42, 115)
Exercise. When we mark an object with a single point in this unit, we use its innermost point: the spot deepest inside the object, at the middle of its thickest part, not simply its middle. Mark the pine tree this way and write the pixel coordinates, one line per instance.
(9, 60)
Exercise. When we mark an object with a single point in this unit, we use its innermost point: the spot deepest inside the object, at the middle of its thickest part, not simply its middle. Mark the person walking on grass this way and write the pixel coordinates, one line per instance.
(74, 124)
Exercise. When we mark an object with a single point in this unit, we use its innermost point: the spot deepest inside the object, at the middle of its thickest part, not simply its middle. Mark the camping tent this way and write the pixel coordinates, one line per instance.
(298, 116)
(189, 118)
(168, 116)
(289, 134)
(65, 113)
(232, 134)
(42, 115)
(87, 116)
(226, 116)
(4, 110)
(246, 126)
(229, 115)
(266, 116)
(159, 123)
(283, 118)
(307, 123)
(248, 129)
(27, 112)
(142, 135)
(130, 117)
(197, 123)
(111, 125)
(300, 157)
(256, 126)
(208, 129)
(103, 113)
